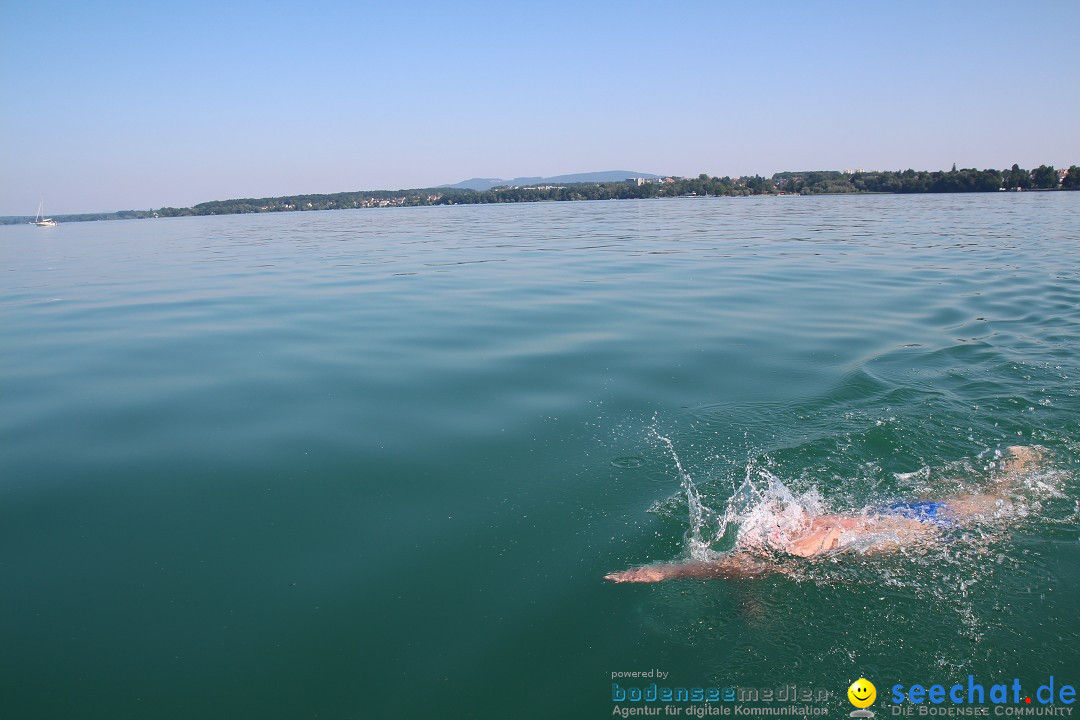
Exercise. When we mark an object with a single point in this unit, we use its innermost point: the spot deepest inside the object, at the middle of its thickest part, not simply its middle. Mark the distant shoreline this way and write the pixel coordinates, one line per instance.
(818, 182)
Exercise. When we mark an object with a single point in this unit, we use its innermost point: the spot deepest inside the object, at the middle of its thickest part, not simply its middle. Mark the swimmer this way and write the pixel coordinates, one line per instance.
(890, 529)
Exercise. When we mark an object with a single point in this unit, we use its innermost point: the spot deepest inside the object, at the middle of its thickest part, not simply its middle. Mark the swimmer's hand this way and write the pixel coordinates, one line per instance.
(739, 566)
(648, 573)
(1023, 458)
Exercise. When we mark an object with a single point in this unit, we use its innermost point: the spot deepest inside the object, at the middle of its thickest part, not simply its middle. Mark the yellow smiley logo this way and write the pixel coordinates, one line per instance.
(862, 693)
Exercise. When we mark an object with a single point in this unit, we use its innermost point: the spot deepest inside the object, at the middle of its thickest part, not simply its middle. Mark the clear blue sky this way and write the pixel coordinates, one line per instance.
(137, 105)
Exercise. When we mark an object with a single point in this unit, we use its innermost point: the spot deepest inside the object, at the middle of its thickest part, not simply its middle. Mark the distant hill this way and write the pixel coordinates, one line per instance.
(482, 184)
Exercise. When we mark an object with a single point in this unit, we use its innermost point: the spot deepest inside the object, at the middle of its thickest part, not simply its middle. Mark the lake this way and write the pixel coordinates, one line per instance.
(375, 463)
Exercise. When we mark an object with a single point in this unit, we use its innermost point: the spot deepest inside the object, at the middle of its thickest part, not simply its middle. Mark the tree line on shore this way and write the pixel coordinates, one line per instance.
(1044, 177)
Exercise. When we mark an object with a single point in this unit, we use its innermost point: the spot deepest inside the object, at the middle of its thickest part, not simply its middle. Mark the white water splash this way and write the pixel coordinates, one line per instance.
(700, 514)
(763, 511)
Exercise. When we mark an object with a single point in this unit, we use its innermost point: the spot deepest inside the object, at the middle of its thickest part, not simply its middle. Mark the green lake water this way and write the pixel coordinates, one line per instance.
(375, 464)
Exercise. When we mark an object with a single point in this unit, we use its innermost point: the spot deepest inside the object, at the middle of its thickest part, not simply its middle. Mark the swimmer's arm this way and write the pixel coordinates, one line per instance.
(732, 567)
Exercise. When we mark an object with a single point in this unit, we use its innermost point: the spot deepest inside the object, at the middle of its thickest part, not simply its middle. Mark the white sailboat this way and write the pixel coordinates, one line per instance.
(41, 220)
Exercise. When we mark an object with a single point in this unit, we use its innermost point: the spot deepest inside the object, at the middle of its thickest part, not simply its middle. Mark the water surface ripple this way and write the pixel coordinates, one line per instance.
(376, 463)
